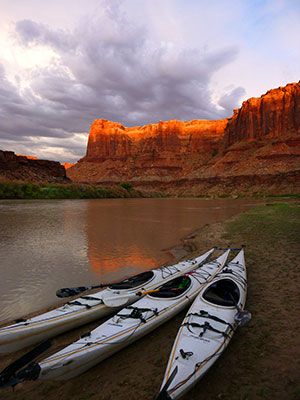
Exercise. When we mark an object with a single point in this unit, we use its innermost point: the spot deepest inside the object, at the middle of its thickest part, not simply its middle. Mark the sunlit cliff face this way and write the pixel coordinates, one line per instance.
(109, 139)
(247, 144)
(28, 157)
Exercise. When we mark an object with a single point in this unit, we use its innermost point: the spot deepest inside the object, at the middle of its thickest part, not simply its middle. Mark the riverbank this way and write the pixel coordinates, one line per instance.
(27, 190)
(261, 360)
(13, 190)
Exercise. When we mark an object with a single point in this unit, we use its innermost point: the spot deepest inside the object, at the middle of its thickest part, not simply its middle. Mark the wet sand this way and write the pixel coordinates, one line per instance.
(262, 360)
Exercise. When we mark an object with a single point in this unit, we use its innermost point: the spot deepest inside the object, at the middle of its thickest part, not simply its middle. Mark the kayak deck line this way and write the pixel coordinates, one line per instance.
(134, 327)
(172, 354)
(137, 312)
(117, 335)
(198, 366)
(107, 338)
(103, 341)
(237, 277)
(181, 327)
(202, 364)
(35, 323)
(205, 327)
(95, 344)
(53, 327)
(205, 315)
(137, 290)
(130, 330)
(27, 332)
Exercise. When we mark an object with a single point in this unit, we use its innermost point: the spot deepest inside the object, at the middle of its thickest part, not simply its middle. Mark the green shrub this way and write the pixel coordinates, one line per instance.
(126, 185)
(24, 190)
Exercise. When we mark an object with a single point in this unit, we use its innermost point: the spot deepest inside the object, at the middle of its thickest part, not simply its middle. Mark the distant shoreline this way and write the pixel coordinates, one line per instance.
(14, 190)
(35, 191)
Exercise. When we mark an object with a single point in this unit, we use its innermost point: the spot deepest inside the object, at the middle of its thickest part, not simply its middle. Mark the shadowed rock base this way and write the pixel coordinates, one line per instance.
(15, 167)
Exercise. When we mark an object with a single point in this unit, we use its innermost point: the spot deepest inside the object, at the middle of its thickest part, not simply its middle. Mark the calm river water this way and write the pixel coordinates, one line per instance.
(45, 245)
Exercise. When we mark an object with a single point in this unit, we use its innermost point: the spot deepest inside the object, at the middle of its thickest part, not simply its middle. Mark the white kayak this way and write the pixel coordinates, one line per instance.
(128, 325)
(207, 329)
(82, 310)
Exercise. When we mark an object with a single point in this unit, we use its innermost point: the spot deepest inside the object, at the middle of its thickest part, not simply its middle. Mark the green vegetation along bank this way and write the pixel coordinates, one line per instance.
(27, 190)
(23, 190)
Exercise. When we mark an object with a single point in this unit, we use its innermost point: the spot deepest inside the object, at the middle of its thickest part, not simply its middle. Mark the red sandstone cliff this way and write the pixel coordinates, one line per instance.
(164, 150)
(259, 143)
(110, 140)
(263, 136)
(274, 115)
(30, 169)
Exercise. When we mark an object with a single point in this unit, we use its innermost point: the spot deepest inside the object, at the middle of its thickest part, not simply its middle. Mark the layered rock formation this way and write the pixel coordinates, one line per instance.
(30, 169)
(274, 115)
(164, 140)
(263, 136)
(165, 150)
(258, 147)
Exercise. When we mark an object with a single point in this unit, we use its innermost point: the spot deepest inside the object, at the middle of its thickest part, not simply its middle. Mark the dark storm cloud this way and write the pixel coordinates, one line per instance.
(109, 68)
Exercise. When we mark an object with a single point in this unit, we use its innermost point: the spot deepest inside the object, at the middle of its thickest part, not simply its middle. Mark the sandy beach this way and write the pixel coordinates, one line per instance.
(262, 360)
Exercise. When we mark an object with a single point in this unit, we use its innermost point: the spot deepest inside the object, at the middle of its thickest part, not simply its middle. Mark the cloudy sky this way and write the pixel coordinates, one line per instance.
(66, 62)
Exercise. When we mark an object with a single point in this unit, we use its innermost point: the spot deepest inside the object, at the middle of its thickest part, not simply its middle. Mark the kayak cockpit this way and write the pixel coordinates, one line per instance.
(223, 293)
(174, 288)
(133, 281)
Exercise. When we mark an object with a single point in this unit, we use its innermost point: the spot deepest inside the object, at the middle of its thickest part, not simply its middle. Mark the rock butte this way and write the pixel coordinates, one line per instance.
(29, 169)
(257, 149)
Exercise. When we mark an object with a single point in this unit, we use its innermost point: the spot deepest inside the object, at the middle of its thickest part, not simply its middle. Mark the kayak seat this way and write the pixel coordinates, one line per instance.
(134, 281)
(173, 288)
(223, 293)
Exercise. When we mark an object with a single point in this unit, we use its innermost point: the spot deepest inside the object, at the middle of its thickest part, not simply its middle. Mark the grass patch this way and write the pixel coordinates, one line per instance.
(288, 196)
(266, 350)
(269, 223)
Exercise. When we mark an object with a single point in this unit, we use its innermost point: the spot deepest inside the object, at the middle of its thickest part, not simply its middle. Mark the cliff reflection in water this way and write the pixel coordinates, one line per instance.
(46, 245)
(123, 234)
(130, 235)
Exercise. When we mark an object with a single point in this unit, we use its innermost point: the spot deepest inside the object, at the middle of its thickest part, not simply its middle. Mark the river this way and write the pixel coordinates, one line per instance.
(46, 245)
